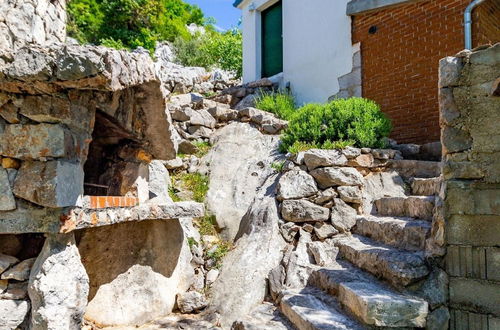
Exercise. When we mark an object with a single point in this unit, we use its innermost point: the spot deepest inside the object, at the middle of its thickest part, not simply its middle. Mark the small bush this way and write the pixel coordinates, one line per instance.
(207, 225)
(280, 103)
(223, 247)
(278, 166)
(355, 121)
(203, 148)
(212, 50)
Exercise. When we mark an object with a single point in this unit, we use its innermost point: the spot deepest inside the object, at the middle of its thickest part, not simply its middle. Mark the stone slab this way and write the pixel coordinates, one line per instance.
(475, 295)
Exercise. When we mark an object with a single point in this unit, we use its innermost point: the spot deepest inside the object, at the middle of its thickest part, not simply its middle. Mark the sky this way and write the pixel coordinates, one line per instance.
(222, 10)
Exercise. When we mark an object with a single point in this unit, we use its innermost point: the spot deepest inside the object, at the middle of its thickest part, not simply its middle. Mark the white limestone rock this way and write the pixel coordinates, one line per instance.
(320, 157)
(295, 185)
(303, 211)
(337, 176)
(191, 302)
(58, 285)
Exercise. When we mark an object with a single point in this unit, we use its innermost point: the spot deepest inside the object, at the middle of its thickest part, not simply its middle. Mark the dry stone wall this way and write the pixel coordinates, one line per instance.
(469, 118)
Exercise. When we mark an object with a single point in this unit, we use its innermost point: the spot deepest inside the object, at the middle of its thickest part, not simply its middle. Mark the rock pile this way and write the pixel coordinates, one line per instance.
(179, 79)
(196, 118)
(14, 302)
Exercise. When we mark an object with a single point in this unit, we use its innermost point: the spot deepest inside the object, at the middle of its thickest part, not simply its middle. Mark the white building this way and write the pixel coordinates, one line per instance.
(309, 41)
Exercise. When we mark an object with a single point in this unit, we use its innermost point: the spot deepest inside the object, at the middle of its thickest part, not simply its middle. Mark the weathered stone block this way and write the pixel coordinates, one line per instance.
(449, 71)
(50, 184)
(479, 230)
(58, 285)
(7, 201)
(449, 111)
(36, 141)
(462, 170)
(48, 109)
(465, 197)
(493, 263)
(466, 261)
(476, 295)
(13, 313)
(455, 140)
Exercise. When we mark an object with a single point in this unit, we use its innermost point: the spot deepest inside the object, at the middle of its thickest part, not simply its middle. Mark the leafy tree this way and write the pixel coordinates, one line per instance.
(131, 23)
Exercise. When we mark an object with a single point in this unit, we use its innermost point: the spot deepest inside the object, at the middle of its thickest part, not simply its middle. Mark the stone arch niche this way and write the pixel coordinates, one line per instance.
(71, 115)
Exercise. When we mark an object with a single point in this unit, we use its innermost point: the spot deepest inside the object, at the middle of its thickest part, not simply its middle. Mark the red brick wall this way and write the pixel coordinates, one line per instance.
(486, 29)
(400, 61)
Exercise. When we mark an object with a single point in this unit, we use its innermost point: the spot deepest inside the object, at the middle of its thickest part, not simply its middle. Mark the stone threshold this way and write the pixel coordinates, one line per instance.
(29, 219)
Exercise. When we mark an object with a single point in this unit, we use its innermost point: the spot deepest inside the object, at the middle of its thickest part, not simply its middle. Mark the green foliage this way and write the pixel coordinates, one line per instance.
(196, 183)
(191, 242)
(130, 23)
(280, 103)
(278, 166)
(299, 146)
(223, 247)
(355, 121)
(203, 148)
(207, 225)
(212, 50)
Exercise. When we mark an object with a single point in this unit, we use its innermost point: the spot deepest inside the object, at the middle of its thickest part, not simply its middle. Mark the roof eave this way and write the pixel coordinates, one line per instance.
(237, 3)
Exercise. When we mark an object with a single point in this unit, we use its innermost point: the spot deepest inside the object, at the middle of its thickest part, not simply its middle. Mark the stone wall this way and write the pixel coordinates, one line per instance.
(469, 118)
(40, 22)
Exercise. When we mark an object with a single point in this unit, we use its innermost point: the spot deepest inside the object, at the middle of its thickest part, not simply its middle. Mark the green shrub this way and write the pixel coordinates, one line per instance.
(280, 103)
(207, 225)
(131, 23)
(223, 247)
(355, 121)
(278, 166)
(212, 50)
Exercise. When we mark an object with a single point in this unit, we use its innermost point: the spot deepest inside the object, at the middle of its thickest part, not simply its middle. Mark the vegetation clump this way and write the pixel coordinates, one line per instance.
(282, 104)
(356, 121)
(212, 50)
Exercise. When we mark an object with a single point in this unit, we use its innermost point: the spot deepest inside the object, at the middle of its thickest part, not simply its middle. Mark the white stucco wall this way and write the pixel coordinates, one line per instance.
(316, 45)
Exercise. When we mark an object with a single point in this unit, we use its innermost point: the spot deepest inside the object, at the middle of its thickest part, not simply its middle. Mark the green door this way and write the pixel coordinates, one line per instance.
(272, 40)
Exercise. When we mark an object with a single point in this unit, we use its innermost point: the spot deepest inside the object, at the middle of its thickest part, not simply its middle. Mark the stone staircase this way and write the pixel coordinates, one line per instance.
(369, 286)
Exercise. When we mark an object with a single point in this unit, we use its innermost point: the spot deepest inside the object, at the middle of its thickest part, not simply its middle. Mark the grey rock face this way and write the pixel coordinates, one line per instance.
(6, 261)
(319, 158)
(295, 185)
(20, 272)
(7, 201)
(337, 176)
(438, 319)
(190, 302)
(50, 184)
(303, 211)
(324, 230)
(313, 309)
(364, 300)
(239, 164)
(343, 216)
(58, 285)
(242, 284)
(13, 313)
(36, 141)
(159, 181)
(384, 184)
(138, 285)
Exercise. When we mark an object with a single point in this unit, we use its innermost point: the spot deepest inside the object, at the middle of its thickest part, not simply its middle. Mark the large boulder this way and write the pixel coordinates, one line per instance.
(337, 176)
(135, 280)
(58, 285)
(242, 283)
(239, 163)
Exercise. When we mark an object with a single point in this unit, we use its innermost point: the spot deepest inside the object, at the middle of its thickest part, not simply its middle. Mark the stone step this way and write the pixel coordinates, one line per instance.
(400, 268)
(372, 302)
(420, 207)
(312, 309)
(425, 186)
(416, 168)
(403, 233)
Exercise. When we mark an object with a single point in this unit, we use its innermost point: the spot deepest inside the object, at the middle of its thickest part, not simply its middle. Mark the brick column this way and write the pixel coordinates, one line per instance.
(470, 134)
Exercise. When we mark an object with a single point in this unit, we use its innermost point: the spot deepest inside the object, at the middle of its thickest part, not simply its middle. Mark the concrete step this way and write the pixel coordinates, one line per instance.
(425, 186)
(416, 168)
(400, 268)
(403, 233)
(420, 207)
(312, 309)
(372, 302)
